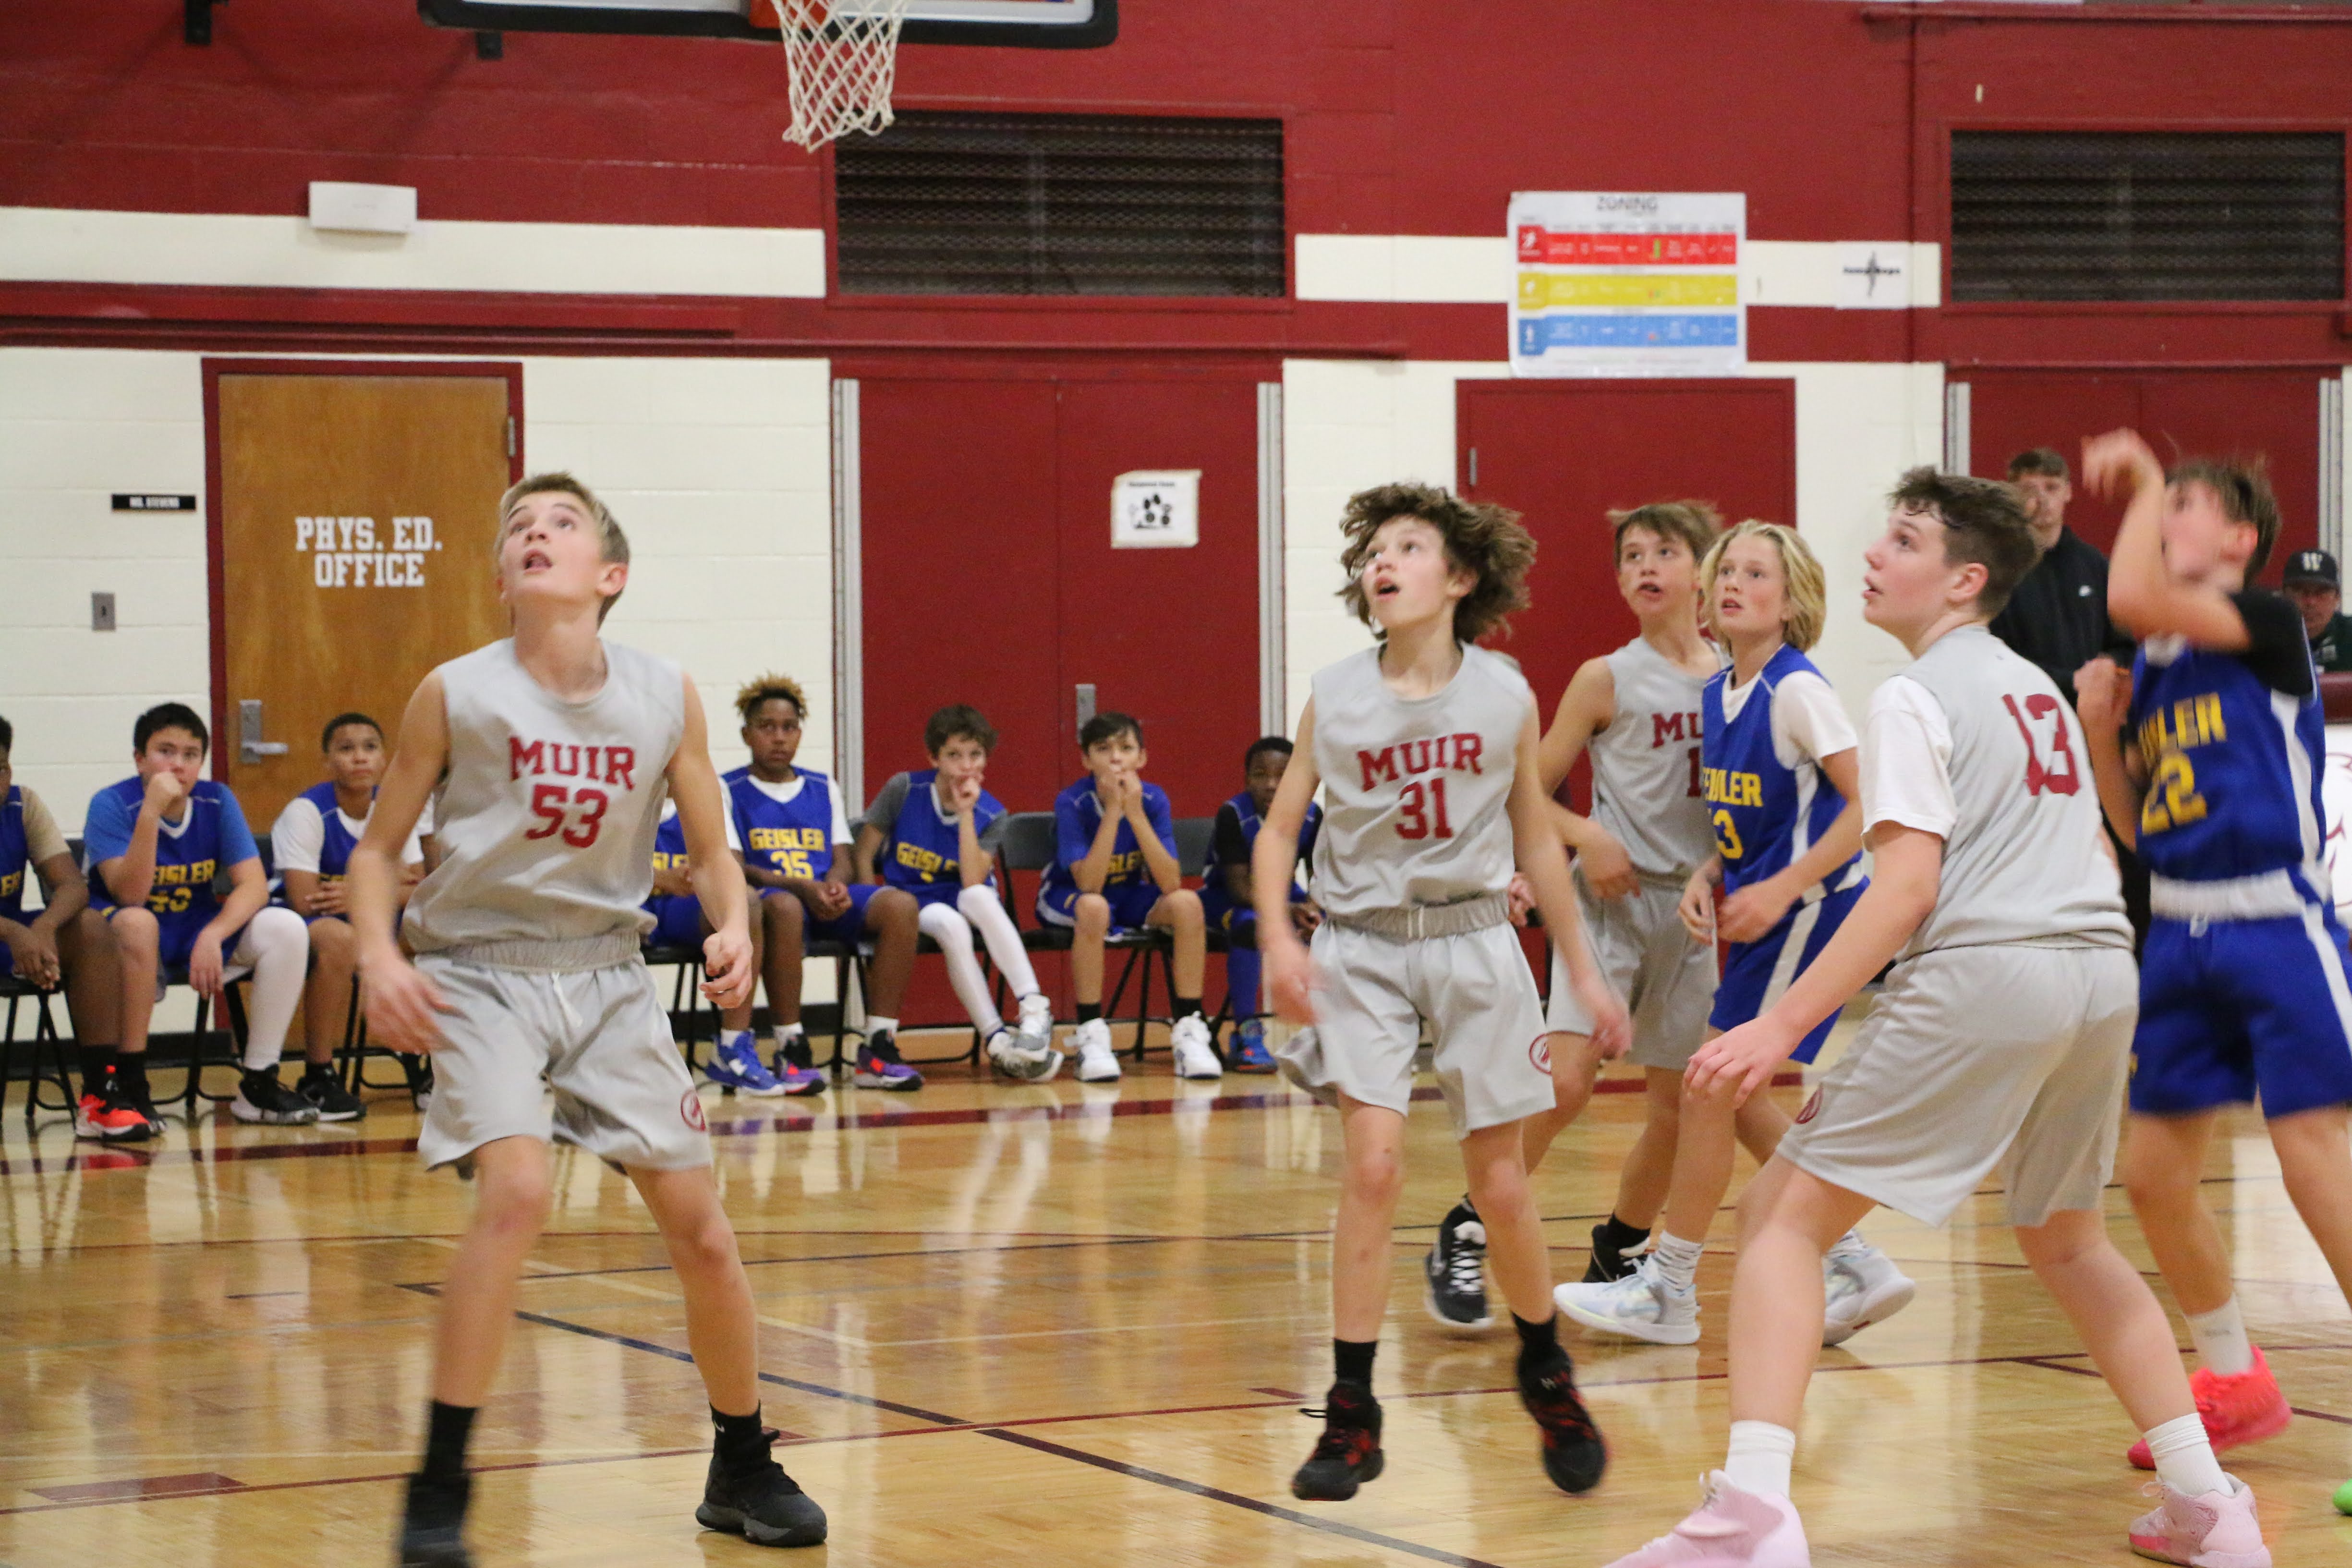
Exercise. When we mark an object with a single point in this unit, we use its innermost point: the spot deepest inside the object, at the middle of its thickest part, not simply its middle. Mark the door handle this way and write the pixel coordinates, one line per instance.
(250, 746)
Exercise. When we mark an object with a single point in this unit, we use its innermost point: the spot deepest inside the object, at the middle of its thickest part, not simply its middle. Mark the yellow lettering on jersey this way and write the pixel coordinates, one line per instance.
(1724, 787)
(671, 862)
(1727, 836)
(928, 864)
(2166, 736)
(1127, 865)
(10, 883)
(802, 838)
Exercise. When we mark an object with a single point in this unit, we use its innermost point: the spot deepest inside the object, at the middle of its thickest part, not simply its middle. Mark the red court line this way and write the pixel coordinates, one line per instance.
(139, 1490)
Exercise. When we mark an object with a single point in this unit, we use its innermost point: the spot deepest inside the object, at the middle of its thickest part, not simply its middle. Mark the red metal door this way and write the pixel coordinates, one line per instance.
(2183, 413)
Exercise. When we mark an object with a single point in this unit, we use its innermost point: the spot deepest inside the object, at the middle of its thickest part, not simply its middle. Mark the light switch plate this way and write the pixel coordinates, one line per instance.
(101, 612)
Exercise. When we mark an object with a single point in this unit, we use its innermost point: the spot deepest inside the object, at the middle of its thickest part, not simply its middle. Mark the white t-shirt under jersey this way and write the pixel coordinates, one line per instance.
(1907, 760)
(1809, 722)
(300, 835)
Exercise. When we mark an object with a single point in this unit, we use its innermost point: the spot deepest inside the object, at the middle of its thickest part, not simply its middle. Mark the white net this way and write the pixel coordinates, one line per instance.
(842, 56)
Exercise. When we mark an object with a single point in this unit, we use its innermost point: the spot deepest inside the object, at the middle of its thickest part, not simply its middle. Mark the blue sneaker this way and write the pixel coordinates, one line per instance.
(736, 1065)
(878, 1067)
(1247, 1052)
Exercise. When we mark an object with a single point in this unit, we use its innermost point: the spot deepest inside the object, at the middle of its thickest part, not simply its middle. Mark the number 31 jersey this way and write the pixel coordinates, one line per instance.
(548, 813)
(2233, 744)
(1416, 790)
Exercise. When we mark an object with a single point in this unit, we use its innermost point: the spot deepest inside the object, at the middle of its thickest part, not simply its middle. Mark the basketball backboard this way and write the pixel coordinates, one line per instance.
(1004, 24)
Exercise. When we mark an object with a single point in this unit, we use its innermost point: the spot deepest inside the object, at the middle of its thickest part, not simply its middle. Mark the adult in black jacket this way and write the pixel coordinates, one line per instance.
(2058, 616)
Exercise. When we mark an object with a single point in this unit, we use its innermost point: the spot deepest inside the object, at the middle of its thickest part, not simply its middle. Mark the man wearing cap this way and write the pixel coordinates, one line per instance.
(2317, 588)
(2057, 615)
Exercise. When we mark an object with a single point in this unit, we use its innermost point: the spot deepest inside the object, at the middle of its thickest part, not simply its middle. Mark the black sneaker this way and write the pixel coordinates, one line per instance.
(328, 1096)
(1348, 1453)
(1607, 1263)
(764, 1506)
(433, 1524)
(1573, 1452)
(262, 1097)
(139, 1098)
(797, 1052)
(1453, 1275)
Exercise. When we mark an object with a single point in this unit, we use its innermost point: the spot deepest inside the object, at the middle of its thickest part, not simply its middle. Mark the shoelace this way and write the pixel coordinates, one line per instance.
(1338, 1442)
(1553, 1401)
(1464, 1263)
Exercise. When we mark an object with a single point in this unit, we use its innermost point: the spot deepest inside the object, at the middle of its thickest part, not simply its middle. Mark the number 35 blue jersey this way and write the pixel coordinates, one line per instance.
(2233, 744)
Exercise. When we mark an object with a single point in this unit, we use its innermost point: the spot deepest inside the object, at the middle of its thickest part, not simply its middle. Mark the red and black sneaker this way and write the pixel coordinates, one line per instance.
(1348, 1453)
(106, 1114)
(1573, 1452)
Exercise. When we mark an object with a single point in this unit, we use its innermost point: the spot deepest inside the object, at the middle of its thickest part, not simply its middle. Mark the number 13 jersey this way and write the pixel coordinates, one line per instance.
(546, 815)
(1416, 790)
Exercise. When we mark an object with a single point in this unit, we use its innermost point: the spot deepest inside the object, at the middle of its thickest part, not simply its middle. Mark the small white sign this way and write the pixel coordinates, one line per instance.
(1156, 509)
(362, 209)
(1872, 276)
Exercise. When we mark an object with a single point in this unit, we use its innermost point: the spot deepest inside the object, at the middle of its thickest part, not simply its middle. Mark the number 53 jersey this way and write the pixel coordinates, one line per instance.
(548, 813)
(2232, 744)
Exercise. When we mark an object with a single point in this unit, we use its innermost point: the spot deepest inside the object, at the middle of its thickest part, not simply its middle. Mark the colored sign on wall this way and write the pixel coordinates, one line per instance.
(1627, 283)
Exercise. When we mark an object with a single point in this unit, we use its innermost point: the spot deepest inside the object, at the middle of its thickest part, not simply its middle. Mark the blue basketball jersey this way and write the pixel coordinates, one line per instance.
(669, 844)
(920, 853)
(1765, 815)
(1213, 874)
(791, 837)
(1077, 816)
(2233, 768)
(211, 836)
(335, 849)
(13, 856)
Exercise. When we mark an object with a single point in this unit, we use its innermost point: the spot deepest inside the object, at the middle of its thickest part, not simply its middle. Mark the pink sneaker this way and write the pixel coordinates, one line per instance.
(2242, 1408)
(1732, 1529)
(2216, 1530)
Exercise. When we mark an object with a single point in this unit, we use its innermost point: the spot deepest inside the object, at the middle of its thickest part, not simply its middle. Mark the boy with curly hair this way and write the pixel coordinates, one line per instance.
(1426, 745)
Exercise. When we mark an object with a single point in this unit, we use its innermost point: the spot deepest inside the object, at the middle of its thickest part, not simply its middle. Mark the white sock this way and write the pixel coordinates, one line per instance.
(1678, 1265)
(1759, 1458)
(734, 1037)
(2220, 1340)
(2184, 1457)
(876, 1025)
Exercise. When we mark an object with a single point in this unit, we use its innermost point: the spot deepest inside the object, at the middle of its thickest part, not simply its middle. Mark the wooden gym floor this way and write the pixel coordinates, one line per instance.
(1058, 1323)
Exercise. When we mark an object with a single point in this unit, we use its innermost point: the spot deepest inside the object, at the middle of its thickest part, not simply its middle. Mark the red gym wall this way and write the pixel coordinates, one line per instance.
(1403, 116)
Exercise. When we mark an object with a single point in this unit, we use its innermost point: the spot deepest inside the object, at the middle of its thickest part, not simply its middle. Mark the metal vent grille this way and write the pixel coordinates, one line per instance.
(2148, 216)
(1062, 204)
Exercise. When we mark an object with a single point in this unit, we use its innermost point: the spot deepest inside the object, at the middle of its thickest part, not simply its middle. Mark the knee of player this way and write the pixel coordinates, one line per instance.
(1184, 907)
(1092, 914)
(974, 901)
(335, 944)
(86, 937)
(1376, 1175)
(279, 929)
(515, 1200)
(135, 934)
(704, 1245)
(2065, 1238)
(893, 909)
(784, 916)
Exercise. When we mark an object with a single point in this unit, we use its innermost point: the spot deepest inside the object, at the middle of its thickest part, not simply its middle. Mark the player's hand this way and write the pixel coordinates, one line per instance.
(1741, 1060)
(1520, 897)
(2120, 464)
(1607, 869)
(727, 963)
(964, 793)
(674, 882)
(1305, 915)
(1698, 906)
(36, 954)
(403, 1004)
(327, 898)
(832, 900)
(1612, 1027)
(164, 792)
(1130, 795)
(1755, 910)
(2103, 691)
(1290, 980)
(204, 964)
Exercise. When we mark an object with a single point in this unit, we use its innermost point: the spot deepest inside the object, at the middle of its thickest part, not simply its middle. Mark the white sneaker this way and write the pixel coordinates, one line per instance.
(1097, 1063)
(1861, 1285)
(1639, 1306)
(1196, 1057)
(1036, 1025)
(1016, 1057)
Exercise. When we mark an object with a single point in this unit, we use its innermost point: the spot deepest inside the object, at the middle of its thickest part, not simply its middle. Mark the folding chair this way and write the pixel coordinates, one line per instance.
(49, 1063)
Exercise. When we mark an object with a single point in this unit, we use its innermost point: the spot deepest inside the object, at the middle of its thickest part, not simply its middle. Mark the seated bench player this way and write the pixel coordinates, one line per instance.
(311, 843)
(65, 943)
(934, 833)
(1115, 871)
(155, 842)
(798, 853)
(679, 922)
(1226, 898)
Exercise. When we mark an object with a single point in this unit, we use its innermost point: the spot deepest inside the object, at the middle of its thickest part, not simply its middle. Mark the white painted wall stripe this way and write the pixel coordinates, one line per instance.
(1449, 269)
(54, 244)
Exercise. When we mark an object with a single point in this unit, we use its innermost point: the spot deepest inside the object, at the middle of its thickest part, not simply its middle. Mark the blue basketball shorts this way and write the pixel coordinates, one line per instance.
(1131, 904)
(2230, 1010)
(1756, 973)
(848, 926)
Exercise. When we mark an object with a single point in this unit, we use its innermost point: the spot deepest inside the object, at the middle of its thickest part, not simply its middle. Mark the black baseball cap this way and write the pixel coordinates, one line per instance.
(2313, 566)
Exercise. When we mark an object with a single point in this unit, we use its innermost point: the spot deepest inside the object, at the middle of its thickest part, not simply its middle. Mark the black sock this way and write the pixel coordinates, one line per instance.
(1186, 1007)
(130, 1072)
(1352, 1360)
(1620, 1237)
(446, 1430)
(1464, 1210)
(96, 1060)
(1089, 1011)
(1540, 1349)
(741, 1443)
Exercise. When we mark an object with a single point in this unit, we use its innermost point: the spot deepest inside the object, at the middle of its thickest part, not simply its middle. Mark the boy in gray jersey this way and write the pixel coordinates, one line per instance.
(2001, 1040)
(1636, 714)
(1425, 747)
(548, 755)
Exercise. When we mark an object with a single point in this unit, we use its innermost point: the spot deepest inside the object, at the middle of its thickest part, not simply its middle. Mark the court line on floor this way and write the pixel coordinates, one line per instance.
(2057, 1363)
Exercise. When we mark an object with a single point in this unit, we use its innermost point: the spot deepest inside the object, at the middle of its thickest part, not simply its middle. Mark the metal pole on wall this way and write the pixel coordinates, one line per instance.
(1956, 426)
(2331, 465)
(1271, 651)
(848, 605)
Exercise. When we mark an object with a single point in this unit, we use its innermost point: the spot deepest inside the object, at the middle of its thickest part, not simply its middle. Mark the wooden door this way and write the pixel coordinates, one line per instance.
(352, 515)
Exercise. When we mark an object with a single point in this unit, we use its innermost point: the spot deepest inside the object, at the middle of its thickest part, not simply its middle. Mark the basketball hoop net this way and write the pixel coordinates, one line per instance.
(842, 56)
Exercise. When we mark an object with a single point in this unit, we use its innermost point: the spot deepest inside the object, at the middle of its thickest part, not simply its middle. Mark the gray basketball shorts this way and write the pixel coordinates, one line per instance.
(2011, 1057)
(1479, 998)
(615, 1085)
(1649, 958)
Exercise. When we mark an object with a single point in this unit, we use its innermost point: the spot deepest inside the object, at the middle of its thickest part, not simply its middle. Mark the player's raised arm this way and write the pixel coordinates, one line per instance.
(2142, 594)
(717, 875)
(1535, 848)
(400, 1003)
(1274, 860)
